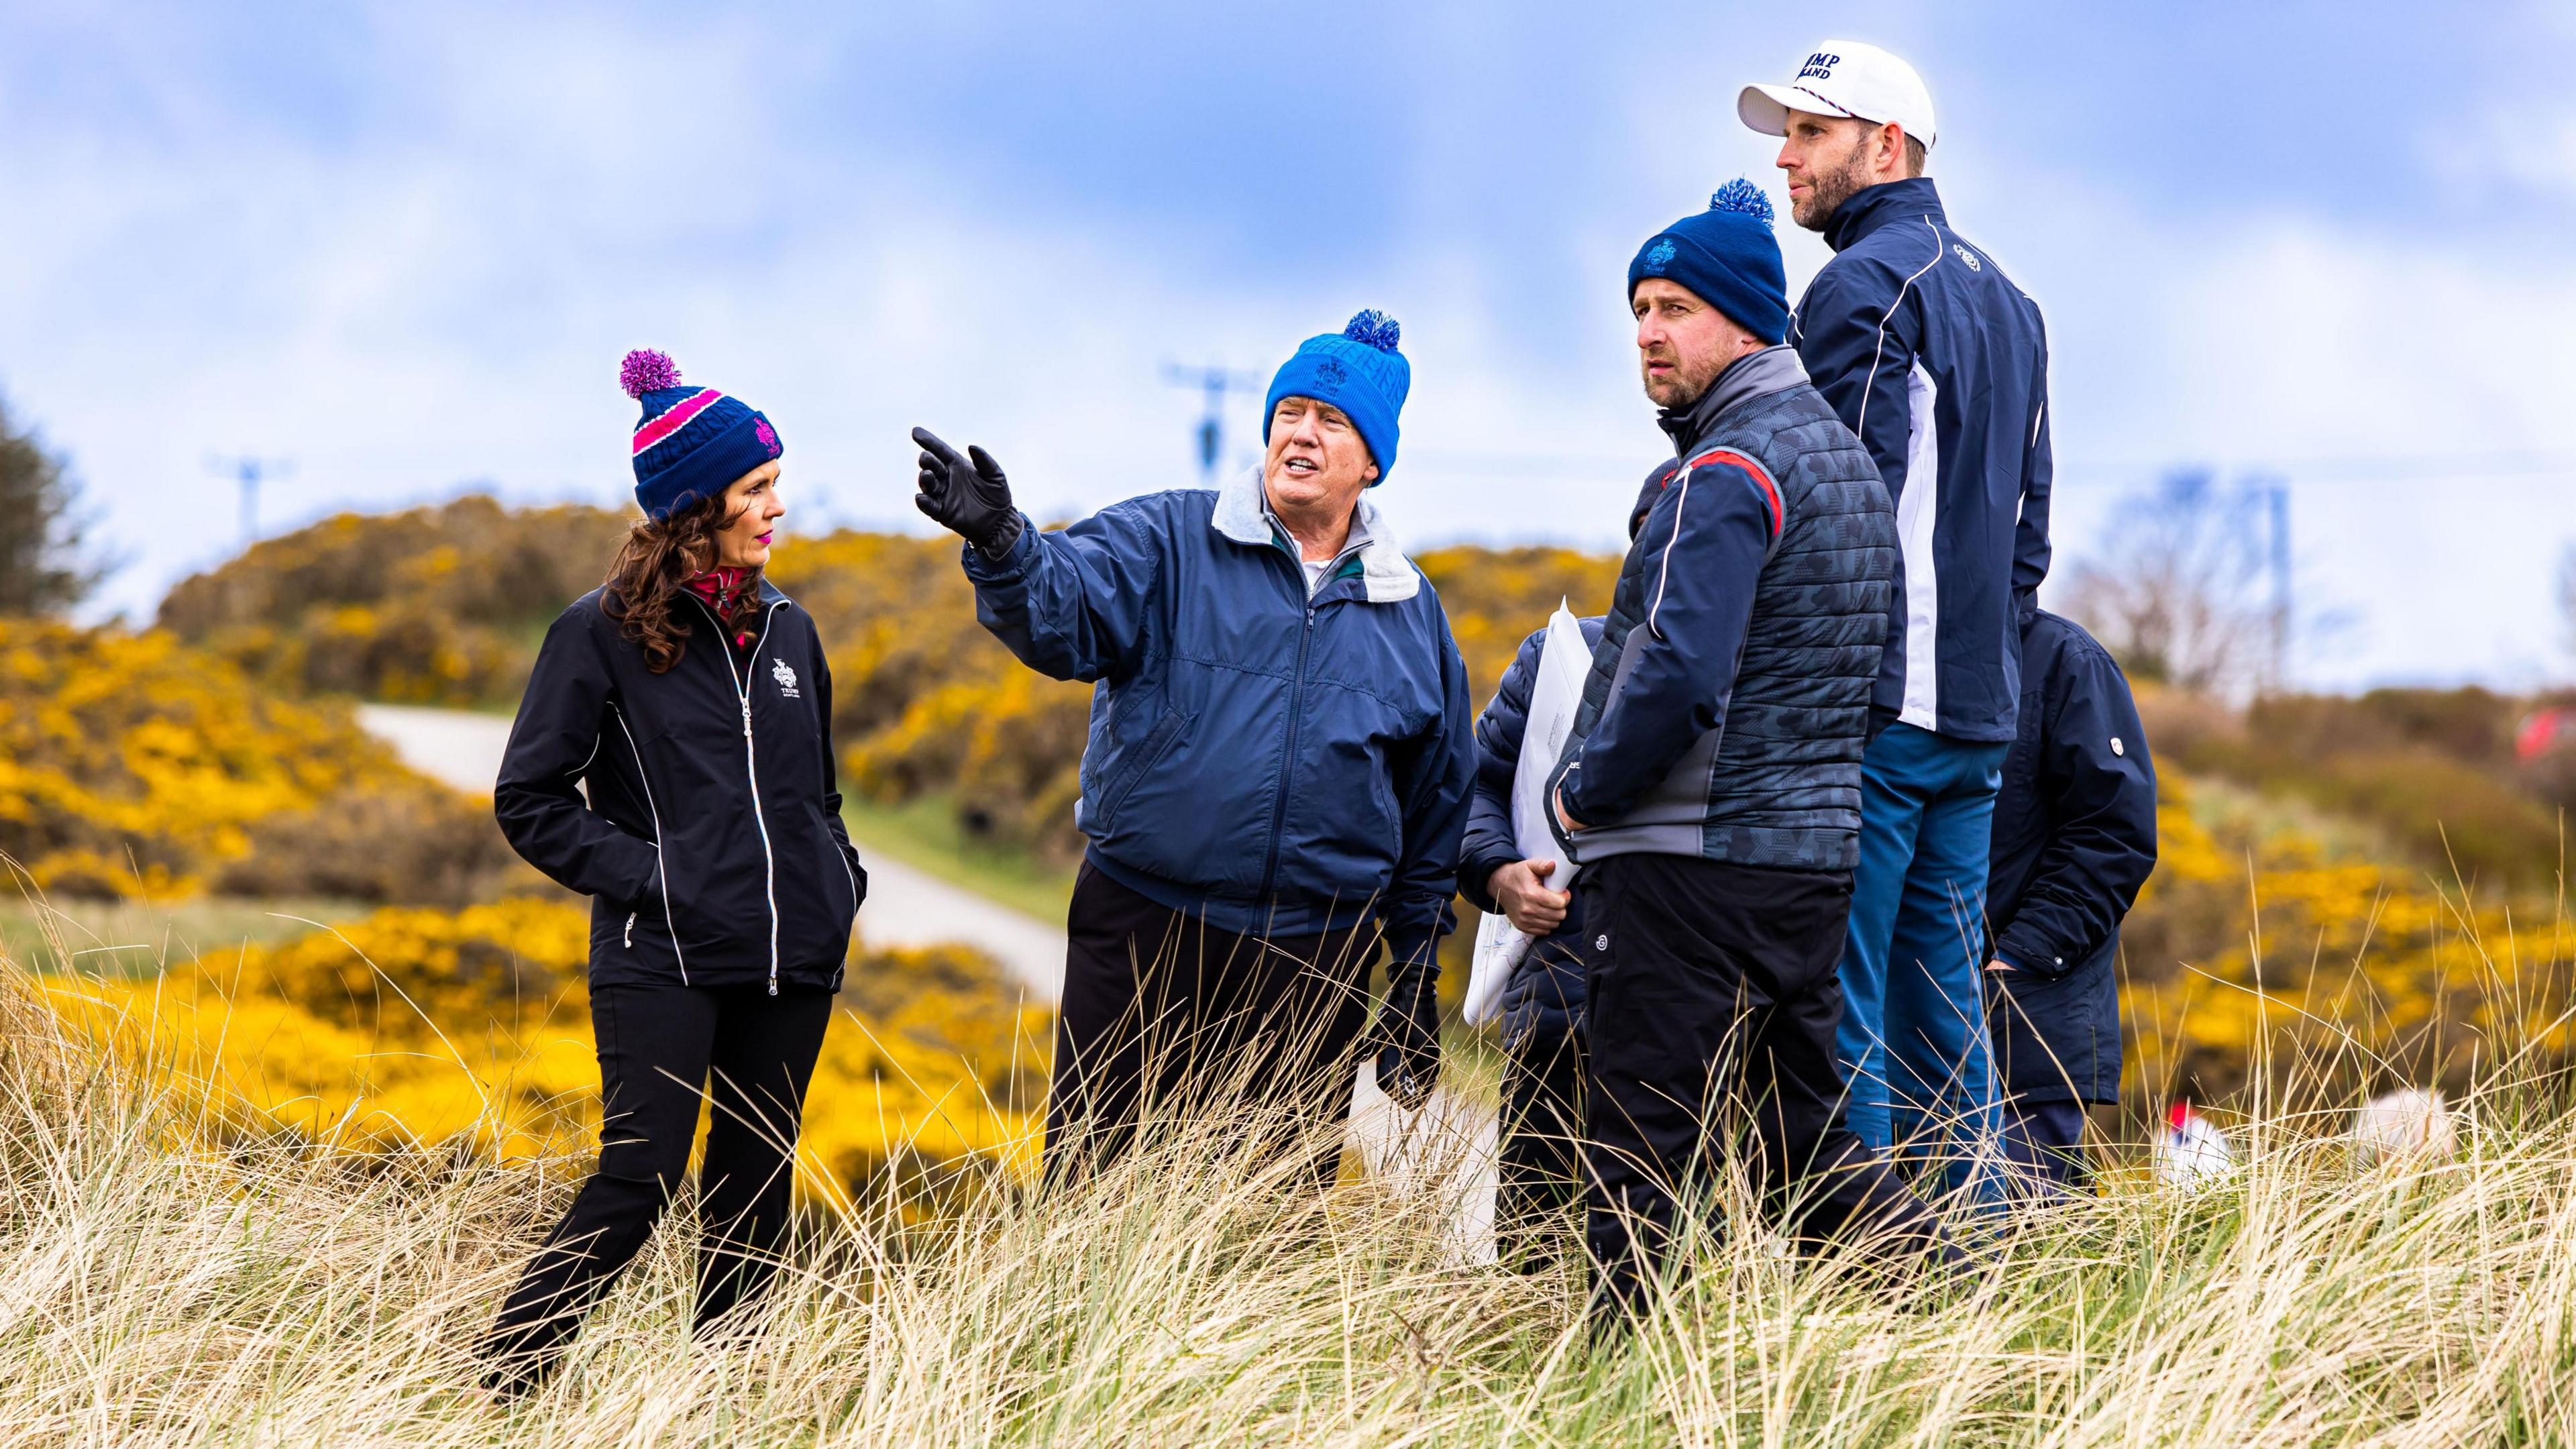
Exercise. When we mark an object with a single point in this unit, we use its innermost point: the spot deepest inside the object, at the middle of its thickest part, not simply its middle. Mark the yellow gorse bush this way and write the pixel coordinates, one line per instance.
(132, 763)
(471, 1029)
(2240, 945)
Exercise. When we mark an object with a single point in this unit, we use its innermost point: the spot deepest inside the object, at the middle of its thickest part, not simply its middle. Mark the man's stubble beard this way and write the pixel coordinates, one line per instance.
(1831, 190)
(1687, 387)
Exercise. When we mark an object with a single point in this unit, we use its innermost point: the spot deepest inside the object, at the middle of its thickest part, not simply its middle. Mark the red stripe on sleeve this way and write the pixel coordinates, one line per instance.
(1761, 481)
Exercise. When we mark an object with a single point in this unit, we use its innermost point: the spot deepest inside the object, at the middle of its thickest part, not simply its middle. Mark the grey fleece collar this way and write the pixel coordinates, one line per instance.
(1387, 576)
(1755, 374)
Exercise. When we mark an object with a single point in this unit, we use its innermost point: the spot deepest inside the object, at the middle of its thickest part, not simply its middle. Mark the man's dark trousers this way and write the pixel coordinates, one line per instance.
(1540, 1168)
(1713, 998)
(1165, 1017)
(2044, 1142)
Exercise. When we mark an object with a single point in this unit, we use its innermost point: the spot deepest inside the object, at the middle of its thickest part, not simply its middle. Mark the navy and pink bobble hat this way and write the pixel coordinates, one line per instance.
(692, 442)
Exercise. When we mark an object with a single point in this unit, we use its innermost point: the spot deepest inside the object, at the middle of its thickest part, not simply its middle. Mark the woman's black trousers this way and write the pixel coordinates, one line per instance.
(665, 1051)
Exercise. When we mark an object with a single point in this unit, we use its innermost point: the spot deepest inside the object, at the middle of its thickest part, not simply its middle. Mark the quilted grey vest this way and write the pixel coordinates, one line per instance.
(1778, 784)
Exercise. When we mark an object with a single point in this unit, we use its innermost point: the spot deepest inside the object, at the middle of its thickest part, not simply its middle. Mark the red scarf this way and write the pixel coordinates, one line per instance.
(733, 594)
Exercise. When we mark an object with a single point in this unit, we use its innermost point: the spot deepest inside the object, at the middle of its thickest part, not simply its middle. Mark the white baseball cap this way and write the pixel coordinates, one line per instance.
(1844, 78)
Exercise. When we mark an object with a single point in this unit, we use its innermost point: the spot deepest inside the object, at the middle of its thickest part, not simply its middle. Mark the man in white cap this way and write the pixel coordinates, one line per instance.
(1940, 364)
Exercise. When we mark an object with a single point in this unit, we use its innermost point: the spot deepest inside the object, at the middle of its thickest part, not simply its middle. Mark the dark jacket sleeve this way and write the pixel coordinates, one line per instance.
(552, 743)
(2102, 809)
(1491, 843)
(1857, 338)
(1433, 780)
(1705, 543)
(832, 773)
(2038, 478)
(1073, 603)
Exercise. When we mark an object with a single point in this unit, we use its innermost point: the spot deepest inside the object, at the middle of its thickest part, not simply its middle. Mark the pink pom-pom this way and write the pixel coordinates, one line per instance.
(645, 369)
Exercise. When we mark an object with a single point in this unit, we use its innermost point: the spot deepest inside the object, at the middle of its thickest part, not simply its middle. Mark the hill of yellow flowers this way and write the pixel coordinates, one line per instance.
(133, 765)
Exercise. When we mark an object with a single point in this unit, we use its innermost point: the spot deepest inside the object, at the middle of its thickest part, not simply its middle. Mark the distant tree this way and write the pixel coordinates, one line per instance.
(45, 564)
(2176, 595)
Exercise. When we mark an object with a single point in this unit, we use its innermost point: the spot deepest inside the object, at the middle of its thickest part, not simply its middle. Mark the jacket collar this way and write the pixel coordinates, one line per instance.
(1243, 515)
(1755, 374)
(1867, 210)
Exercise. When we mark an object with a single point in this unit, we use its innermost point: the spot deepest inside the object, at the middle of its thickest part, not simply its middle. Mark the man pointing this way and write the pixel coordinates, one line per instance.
(1278, 767)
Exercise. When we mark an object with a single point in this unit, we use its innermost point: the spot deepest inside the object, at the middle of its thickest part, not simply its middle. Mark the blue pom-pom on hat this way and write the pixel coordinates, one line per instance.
(692, 442)
(1357, 370)
(1728, 257)
(1378, 330)
(1743, 196)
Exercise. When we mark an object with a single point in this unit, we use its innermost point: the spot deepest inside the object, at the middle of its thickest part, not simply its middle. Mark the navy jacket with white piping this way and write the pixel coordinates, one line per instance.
(710, 839)
(1280, 763)
(1931, 354)
(2074, 843)
(1727, 707)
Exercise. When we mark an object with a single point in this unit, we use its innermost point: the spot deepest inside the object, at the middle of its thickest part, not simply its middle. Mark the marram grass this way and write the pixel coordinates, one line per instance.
(272, 1292)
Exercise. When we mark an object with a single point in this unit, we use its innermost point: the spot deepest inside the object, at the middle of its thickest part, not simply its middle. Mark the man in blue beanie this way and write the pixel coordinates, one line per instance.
(1940, 365)
(1711, 785)
(1277, 774)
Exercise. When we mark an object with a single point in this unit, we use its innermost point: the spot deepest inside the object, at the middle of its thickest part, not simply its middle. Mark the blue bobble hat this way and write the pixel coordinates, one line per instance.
(692, 442)
(1357, 370)
(1728, 257)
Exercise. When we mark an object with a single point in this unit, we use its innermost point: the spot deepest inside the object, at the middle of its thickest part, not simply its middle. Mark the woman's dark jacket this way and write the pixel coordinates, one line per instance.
(1543, 1003)
(2074, 841)
(710, 841)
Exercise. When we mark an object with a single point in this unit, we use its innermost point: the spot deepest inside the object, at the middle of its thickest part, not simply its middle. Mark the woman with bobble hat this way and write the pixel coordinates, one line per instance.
(1277, 774)
(672, 760)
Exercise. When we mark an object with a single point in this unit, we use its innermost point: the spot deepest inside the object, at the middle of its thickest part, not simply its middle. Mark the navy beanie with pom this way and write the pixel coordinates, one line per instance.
(1728, 257)
(692, 442)
(1357, 370)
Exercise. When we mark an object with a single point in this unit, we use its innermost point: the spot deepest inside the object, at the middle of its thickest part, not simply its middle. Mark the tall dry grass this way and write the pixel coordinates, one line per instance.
(156, 1287)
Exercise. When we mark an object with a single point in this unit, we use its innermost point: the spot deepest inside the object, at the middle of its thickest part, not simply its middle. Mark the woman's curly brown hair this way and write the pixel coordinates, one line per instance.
(657, 559)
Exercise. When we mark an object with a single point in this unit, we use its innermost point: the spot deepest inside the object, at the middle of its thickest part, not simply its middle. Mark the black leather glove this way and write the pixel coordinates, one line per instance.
(1408, 1025)
(968, 496)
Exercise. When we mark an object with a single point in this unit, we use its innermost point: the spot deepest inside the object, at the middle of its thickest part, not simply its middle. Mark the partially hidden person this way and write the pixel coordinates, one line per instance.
(2074, 843)
(672, 760)
(1930, 354)
(1277, 772)
(1711, 784)
(1540, 1160)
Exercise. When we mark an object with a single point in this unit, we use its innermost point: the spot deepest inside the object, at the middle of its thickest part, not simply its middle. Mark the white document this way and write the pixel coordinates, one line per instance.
(1563, 662)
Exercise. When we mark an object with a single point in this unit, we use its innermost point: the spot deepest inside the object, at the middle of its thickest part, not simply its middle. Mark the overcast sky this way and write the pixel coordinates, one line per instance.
(405, 246)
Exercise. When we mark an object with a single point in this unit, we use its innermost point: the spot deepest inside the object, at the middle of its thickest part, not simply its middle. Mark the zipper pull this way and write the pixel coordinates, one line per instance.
(746, 716)
(773, 986)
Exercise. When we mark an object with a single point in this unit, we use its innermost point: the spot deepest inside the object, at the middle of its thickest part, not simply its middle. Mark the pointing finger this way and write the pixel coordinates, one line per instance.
(931, 444)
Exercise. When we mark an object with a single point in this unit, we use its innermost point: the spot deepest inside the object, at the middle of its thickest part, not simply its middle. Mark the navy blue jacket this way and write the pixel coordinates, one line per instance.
(696, 808)
(1281, 764)
(1727, 707)
(1940, 364)
(1544, 1000)
(2075, 839)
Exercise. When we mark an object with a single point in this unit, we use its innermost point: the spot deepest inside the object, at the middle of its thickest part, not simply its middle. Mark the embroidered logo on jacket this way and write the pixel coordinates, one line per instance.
(786, 678)
(1965, 255)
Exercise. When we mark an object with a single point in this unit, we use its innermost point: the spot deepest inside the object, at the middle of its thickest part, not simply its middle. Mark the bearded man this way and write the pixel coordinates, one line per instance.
(1939, 363)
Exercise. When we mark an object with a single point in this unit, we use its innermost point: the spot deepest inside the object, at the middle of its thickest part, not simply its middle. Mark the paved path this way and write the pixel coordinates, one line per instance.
(905, 907)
